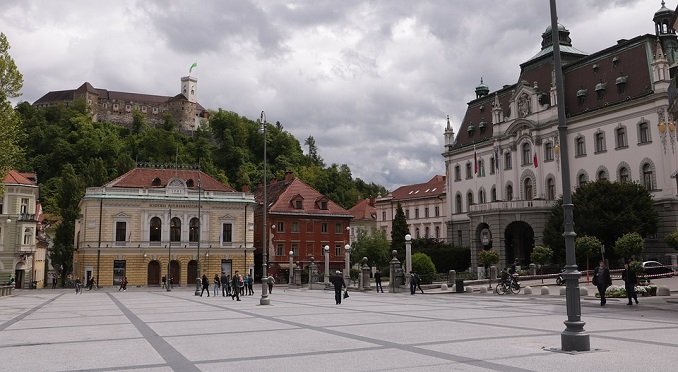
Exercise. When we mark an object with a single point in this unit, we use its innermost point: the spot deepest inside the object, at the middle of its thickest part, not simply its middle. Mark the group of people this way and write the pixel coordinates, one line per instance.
(233, 286)
(602, 280)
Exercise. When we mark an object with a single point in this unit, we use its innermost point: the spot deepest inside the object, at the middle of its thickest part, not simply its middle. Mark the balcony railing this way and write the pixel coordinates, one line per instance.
(514, 204)
(30, 217)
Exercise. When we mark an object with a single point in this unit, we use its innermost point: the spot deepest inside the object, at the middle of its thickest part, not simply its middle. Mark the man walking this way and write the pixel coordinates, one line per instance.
(377, 281)
(602, 280)
(224, 285)
(339, 283)
(235, 284)
(413, 283)
(630, 280)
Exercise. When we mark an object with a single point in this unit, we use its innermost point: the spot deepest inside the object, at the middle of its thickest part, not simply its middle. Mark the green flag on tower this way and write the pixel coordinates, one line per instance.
(195, 64)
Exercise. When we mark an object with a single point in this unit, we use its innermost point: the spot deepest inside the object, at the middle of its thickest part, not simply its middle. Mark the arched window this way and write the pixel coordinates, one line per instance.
(528, 188)
(507, 161)
(647, 177)
(509, 193)
(579, 146)
(643, 132)
(481, 196)
(494, 194)
(527, 154)
(155, 234)
(175, 229)
(458, 206)
(550, 189)
(582, 179)
(602, 175)
(194, 230)
(437, 232)
(427, 232)
(416, 233)
(548, 151)
(624, 175)
(469, 200)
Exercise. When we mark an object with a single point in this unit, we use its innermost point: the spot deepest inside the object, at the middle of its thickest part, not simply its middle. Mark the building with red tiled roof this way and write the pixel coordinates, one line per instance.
(303, 221)
(118, 107)
(503, 165)
(151, 221)
(424, 207)
(364, 218)
(19, 211)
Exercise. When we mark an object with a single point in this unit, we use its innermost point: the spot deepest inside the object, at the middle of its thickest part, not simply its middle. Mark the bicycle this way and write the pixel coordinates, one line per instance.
(511, 285)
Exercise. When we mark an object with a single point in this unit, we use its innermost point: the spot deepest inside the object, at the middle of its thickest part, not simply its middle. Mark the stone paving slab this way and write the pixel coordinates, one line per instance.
(146, 329)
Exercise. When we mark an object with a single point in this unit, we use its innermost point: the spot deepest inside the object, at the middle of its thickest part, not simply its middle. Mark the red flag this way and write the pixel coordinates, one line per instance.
(534, 158)
(475, 161)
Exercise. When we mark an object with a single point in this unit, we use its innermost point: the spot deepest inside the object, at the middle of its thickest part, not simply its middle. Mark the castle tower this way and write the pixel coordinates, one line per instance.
(189, 88)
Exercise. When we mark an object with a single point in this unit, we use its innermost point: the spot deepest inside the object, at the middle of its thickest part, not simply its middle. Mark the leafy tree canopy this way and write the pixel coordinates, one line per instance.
(11, 82)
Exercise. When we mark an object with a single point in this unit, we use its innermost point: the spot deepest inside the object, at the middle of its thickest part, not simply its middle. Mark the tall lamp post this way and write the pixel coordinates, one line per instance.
(169, 255)
(290, 276)
(327, 264)
(347, 269)
(264, 263)
(197, 274)
(573, 338)
(408, 253)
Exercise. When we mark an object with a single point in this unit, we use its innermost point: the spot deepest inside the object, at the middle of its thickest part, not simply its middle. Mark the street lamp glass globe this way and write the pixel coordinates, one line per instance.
(327, 248)
(347, 247)
(408, 237)
(291, 253)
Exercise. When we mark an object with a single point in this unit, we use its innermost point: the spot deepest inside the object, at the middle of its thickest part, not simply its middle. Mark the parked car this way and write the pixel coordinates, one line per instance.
(657, 268)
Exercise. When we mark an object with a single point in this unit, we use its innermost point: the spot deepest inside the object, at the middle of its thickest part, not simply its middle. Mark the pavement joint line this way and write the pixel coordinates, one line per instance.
(87, 341)
(20, 317)
(290, 355)
(174, 359)
(374, 341)
(126, 368)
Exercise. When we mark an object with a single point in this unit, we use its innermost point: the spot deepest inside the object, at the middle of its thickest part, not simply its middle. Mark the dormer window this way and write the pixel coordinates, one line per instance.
(190, 183)
(482, 126)
(621, 84)
(323, 205)
(600, 90)
(581, 96)
(470, 130)
(615, 61)
(156, 182)
(298, 204)
(595, 68)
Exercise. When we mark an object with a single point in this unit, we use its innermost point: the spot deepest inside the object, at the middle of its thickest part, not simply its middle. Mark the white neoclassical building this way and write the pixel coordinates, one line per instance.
(504, 167)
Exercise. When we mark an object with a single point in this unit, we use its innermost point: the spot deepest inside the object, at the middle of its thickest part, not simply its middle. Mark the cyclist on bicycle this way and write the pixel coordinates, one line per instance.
(91, 283)
(505, 276)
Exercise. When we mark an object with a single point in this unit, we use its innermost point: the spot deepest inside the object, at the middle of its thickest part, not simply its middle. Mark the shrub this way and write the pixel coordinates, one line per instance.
(423, 265)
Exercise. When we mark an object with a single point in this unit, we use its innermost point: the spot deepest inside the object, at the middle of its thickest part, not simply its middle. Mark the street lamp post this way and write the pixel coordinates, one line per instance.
(169, 255)
(327, 264)
(408, 253)
(290, 276)
(573, 338)
(347, 269)
(264, 263)
(197, 279)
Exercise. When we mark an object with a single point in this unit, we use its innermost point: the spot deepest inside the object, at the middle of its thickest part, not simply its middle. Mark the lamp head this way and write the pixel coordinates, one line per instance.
(327, 248)
(347, 247)
(408, 237)
(291, 253)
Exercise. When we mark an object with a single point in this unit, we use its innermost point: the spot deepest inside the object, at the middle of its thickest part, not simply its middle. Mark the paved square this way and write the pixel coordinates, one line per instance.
(154, 330)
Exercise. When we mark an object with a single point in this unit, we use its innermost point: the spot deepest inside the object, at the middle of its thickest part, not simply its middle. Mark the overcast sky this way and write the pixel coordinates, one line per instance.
(371, 81)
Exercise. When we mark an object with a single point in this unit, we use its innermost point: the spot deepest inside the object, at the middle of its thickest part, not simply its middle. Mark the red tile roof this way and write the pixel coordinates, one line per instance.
(433, 188)
(364, 210)
(280, 195)
(16, 178)
(143, 177)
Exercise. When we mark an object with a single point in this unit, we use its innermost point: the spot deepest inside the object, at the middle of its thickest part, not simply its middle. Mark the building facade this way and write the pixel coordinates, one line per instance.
(19, 215)
(503, 166)
(424, 206)
(119, 107)
(150, 221)
(364, 218)
(302, 221)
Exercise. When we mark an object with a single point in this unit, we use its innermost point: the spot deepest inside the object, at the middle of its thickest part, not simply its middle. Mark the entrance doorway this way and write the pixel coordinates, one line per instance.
(175, 270)
(192, 271)
(19, 278)
(226, 267)
(519, 238)
(153, 273)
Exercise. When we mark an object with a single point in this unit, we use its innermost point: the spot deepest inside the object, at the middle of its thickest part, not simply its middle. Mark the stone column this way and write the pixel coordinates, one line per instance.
(297, 275)
(451, 277)
(312, 273)
(394, 265)
(365, 271)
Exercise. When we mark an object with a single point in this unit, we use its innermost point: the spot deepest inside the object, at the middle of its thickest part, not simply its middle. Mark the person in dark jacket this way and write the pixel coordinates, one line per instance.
(377, 281)
(602, 280)
(413, 283)
(235, 283)
(417, 279)
(630, 281)
(224, 285)
(339, 283)
(205, 285)
(217, 284)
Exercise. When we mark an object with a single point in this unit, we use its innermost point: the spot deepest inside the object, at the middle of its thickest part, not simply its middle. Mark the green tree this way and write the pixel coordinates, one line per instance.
(11, 82)
(398, 231)
(672, 240)
(541, 256)
(629, 245)
(606, 210)
(313, 156)
(424, 267)
(375, 247)
(446, 257)
(487, 259)
(587, 246)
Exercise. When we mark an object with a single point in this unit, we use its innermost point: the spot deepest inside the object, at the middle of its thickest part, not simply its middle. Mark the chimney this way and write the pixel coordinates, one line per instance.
(289, 176)
(245, 188)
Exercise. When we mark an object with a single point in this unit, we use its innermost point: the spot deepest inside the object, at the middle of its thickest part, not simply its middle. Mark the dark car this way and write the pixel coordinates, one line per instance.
(657, 268)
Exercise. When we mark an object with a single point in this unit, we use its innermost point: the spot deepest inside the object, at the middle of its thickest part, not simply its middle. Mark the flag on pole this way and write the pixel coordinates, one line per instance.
(534, 158)
(475, 161)
(194, 65)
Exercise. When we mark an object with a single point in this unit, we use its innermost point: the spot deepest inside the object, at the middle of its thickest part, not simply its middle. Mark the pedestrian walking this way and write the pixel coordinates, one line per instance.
(245, 284)
(339, 283)
(377, 281)
(235, 283)
(270, 280)
(602, 280)
(418, 281)
(217, 284)
(205, 285)
(250, 284)
(122, 284)
(164, 281)
(630, 281)
(54, 280)
(413, 283)
(224, 284)
(77, 286)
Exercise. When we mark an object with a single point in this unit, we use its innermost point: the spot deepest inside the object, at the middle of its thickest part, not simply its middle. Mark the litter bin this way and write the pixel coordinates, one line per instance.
(459, 284)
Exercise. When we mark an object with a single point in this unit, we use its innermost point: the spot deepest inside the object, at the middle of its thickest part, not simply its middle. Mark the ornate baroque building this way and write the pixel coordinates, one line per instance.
(149, 221)
(118, 107)
(503, 167)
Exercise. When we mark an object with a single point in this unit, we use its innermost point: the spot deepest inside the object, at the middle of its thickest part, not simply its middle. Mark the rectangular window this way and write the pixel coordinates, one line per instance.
(280, 249)
(295, 227)
(337, 250)
(227, 233)
(119, 271)
(437, 211)
(337, 228)
(457, 173)
(492, 166)
(298, 204)
(507, 161)
(120, 231)
(24, 205)
(469, 171)
(407, 214)
(621, 137)
(295, 249)
(426, 212)
(416, 212)
(281, 227)
(323, 228)
(383, 216)
(600, 142)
